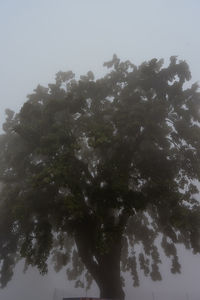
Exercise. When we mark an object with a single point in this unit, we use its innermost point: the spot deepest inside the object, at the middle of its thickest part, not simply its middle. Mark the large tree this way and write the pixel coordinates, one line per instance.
(101, 173)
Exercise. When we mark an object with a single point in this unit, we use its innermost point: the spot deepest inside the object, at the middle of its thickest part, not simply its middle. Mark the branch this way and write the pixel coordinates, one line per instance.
(86, 254)
(123, 219)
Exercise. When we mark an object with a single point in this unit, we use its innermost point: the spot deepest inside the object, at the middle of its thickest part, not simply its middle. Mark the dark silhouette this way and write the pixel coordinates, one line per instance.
(90, 169)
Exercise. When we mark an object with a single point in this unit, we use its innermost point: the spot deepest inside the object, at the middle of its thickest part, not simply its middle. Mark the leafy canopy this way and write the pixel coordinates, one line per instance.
(114, 157)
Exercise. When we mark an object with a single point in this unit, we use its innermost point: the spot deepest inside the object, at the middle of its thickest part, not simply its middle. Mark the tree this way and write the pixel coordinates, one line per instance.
(92, 169)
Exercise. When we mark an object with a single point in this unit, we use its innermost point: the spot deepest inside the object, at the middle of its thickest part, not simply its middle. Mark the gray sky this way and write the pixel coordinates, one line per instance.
(40, 37)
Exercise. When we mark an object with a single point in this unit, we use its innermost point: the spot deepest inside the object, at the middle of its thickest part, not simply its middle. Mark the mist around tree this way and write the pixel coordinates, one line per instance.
(99, 175)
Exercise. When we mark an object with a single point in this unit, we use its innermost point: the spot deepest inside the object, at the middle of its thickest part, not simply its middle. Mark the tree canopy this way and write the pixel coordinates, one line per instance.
(99, 173)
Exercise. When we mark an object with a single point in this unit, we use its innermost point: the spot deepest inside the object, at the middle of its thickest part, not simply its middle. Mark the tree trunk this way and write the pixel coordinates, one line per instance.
(109, 281)
(104, 268)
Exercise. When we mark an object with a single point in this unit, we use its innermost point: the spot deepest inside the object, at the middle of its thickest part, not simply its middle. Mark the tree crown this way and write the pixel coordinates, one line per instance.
(101, 159)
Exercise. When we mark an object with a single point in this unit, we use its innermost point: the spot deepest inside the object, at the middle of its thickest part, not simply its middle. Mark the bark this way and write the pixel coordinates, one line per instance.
(105, 268)
(109, 281)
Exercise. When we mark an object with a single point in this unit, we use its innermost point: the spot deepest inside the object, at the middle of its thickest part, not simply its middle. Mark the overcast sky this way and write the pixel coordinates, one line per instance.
(40, 37)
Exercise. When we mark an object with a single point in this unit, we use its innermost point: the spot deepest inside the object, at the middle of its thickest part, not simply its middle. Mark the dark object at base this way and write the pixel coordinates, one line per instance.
(87, 298)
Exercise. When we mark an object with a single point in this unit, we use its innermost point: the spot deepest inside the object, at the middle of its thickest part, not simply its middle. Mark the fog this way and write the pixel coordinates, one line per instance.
(33, 286)
(41, 37)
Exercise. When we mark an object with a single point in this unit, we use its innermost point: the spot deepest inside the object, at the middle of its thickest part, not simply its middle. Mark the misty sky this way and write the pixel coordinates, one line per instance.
(40, 37)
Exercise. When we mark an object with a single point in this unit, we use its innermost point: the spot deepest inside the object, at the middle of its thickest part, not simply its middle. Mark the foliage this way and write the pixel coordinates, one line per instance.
(108, 163)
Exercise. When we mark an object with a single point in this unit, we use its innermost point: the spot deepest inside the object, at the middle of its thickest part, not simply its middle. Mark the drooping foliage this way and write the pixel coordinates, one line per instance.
(111, 164)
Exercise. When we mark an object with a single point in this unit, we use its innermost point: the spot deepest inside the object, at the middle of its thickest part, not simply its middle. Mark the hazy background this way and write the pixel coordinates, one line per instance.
(40, 37)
